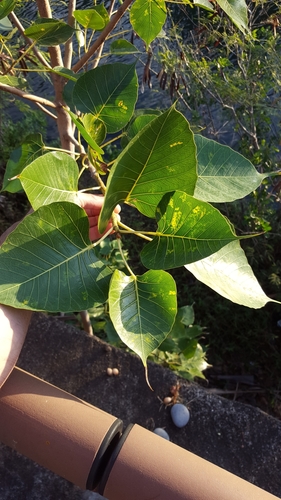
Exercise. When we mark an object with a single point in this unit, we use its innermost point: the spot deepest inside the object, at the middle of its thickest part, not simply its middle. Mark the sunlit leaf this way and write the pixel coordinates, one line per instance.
(95, 18)
(160, 158)
(229, 274)
(136, 126)
(205, 4)
(85, 133)
(237, 11)
(223, 174)
(14, 81)
(142, 309)
(147, 18)
(95, 127)
(121, 47)
(109, 92)
(65, 72)
(49, 32)
(48, 263)
(31, 149)
(188, 230)
(6, 6)
(51, 178)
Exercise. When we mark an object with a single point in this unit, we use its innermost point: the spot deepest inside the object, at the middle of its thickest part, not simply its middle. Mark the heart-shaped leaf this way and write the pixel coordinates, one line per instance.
(109, 92)
(31, 149)
(49, 32)
(223, 174)
(51, 178)
(95, 18)
(48, 262)
(142, 309)
(188, 230)
(229, 274)
(147, 18)
(237, 11)
(161, 158)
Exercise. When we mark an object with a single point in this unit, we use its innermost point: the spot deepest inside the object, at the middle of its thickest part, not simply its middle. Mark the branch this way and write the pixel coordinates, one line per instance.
(97, 60)
(64, 121)
(99, 41)
(15, 21)
(25, 95)
(46, 111)
(44, 10)
(69, 44)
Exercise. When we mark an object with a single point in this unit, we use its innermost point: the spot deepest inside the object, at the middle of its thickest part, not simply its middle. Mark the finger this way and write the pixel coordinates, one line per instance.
(94, 232)
(91, 203)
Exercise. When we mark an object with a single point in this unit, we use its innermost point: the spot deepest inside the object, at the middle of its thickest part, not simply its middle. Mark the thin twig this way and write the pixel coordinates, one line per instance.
(69, 44)
(132, 231)
(103, 36)
(86, 322)
(97, 60)
(44, 10)
(15, 21)
(25, 95)
(46, 111)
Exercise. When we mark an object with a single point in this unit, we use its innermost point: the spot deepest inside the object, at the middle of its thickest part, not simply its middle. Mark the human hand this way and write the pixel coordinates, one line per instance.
(14, 322)
(92, 205)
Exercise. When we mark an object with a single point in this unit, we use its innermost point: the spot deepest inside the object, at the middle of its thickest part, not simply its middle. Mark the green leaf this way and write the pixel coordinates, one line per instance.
(237, 11)
(223, 174)
(51, 178)
(161, 158)
(147, 18)
(31, 149)
(6, 6)
(109, 92)
(14, 81)
(65, 72)
(5, 25)
(48, 262)
(189, 348)
(140, 119)
(188, 230)
(142, 309)
(121, 47)
(95, 18)
(205, 4)
(95, 128)
(186, 315)
(135, 127)
(229, 274)
(194, 366)
(49, 32)
(85, 134)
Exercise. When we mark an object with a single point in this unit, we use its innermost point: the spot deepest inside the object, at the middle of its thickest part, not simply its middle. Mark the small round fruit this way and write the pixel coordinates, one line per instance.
(180, 415)
(161, 432)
